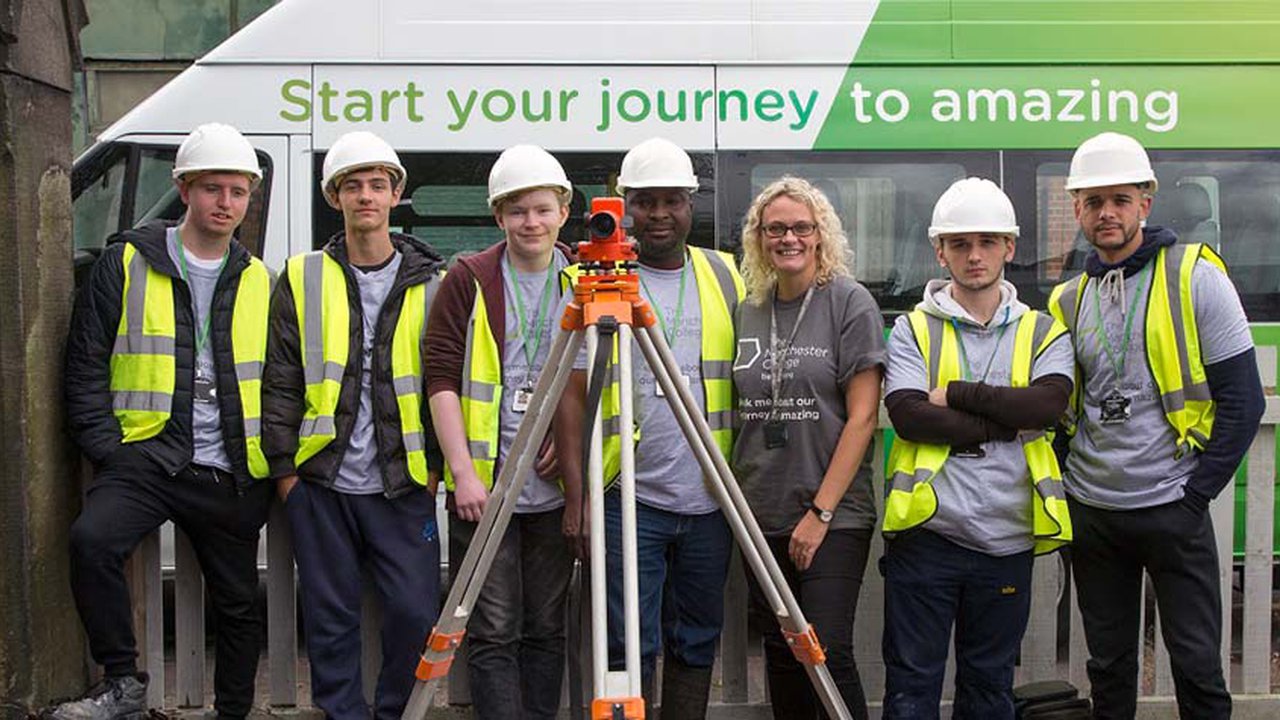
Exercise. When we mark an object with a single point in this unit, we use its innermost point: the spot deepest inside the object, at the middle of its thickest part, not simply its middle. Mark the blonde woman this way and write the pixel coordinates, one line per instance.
(810, 357)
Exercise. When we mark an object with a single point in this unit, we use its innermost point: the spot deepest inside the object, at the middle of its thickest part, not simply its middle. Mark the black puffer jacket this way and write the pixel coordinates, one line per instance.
(284, 387)
(87, 379)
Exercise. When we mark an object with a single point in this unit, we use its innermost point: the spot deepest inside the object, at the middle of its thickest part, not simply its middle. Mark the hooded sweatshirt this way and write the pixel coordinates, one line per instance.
(1135, 467)
(986, 414)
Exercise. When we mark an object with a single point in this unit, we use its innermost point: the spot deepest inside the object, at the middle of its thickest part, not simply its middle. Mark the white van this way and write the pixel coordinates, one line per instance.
(881, 103)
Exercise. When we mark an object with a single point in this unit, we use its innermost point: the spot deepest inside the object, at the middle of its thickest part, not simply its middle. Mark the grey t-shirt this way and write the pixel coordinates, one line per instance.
(984, 503)
(206, 418)
(668, 476)
(359, 473)
(1132, 465)
(538, 495)
(841, 335)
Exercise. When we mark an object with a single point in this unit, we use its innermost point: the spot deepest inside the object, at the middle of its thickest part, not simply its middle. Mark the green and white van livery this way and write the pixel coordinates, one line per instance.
(881, 103)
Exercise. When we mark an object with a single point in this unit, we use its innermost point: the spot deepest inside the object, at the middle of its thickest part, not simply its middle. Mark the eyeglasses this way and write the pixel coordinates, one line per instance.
(800, 229)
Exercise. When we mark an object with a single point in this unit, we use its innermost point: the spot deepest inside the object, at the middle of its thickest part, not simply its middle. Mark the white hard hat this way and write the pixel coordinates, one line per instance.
(523, 167)
(215, 147)
(356, 151)
(657, 163)
(973, 205)
(1110, 159)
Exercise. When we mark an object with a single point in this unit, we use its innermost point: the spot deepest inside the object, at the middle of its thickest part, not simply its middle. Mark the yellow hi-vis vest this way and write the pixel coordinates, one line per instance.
(1172, 339)
(324, 315)
(720, 289)
(143, 365)
(911, 500)
(481, 396)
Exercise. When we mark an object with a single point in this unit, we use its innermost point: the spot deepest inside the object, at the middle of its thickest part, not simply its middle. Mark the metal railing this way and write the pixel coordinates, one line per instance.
(1053, 647)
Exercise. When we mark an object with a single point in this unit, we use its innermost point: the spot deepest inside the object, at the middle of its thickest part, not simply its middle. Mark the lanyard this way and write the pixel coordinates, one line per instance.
(669, 332)
(780, 352)
(1118, 360)
(202, 337)
(531, 354)
(964, 355)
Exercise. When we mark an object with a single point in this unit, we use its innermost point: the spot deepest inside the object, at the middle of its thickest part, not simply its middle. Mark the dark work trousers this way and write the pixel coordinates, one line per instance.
(1175, 544)
(828, 595)
(516, 634)
(129, 498)
(931, 583)
(334, 535)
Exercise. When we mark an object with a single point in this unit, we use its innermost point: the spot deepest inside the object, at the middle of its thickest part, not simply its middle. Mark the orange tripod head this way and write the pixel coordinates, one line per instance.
(607, 284)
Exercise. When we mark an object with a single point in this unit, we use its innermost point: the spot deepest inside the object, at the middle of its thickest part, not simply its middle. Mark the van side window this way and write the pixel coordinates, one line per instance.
(445, 202)
(132, 184)
(1229, 200)
(884, 200)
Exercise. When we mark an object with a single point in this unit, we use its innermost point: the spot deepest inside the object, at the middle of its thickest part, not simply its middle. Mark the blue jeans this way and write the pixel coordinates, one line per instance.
(517, 627)
(931, 583)
(683, 561)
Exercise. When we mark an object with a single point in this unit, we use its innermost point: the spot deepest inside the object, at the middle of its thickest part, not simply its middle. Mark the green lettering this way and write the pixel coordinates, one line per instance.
(678, 114)
(700, 98)
(768, 105)
(726, 96)
(327, 94)
(387, 97)
(302, 100)
(460, 112)
(363, 104)
(526, 107)
(604, 106)
(413, 94)
(566, 96)
(803, 111)
(636, 116)
(486, 105)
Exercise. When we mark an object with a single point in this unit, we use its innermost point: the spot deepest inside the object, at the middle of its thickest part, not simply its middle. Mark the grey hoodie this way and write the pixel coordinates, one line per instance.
(984, 504)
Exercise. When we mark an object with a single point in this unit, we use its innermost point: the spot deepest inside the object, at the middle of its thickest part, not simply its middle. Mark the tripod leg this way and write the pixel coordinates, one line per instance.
(595, 496)
(615, 694)
(448, 632)
(755, 549)
(630, 565)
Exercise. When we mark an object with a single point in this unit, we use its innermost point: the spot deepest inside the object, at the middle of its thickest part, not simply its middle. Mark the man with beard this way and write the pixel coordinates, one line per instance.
(1167, 401)
(683, 541)
(974, 378)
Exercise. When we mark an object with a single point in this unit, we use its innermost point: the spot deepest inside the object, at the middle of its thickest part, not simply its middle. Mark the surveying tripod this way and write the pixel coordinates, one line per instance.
(607, 301)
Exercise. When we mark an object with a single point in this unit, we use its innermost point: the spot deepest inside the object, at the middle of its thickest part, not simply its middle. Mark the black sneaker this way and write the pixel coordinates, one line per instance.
(114, 698)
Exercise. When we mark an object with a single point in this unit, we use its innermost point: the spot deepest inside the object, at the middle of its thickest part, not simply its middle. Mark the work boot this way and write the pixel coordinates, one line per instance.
(114, 698)
(685, 690)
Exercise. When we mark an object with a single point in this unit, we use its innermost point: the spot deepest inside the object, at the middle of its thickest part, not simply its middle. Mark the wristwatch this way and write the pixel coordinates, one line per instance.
(824, 516)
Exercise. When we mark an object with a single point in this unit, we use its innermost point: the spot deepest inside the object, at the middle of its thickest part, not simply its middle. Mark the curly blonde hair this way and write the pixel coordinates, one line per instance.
(834, 257)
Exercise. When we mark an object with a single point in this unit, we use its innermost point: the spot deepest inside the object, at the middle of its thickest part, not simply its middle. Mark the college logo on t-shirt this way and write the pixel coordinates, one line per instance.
(748, 353)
